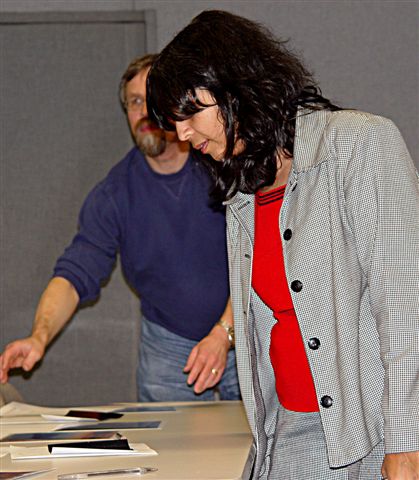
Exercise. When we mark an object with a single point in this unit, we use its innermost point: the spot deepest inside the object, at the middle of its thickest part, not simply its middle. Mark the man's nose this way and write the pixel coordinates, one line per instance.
(184, 131)
(143, 111)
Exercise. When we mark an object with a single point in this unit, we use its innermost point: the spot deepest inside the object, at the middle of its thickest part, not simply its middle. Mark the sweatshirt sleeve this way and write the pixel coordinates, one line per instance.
(382, 198)
(90, 258)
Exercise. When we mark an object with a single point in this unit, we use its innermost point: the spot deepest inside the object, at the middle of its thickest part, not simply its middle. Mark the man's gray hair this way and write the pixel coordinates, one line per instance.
(133, 69)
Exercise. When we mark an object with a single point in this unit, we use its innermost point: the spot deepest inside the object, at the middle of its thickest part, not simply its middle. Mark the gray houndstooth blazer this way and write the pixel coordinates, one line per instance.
(351, 258)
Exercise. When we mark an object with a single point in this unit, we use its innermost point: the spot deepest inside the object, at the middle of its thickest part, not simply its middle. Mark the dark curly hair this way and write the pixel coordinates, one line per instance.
(256, 82)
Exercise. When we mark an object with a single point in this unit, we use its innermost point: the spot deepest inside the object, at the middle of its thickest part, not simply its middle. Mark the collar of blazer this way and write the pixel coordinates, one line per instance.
(310, 149)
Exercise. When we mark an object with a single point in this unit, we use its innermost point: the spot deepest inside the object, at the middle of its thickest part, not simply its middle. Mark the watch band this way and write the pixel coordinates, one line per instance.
(230, 331)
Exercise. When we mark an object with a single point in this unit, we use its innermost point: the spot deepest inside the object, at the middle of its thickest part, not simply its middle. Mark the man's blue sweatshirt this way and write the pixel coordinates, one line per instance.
(171, 242)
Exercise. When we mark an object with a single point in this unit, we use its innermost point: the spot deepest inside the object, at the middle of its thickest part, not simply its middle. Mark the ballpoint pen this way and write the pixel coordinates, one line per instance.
(100, 473)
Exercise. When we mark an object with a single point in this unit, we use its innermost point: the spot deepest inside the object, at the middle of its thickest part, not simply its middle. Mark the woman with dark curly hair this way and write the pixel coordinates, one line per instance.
(322, 208)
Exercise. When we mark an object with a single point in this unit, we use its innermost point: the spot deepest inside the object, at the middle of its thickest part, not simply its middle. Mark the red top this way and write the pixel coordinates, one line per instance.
(294, 383)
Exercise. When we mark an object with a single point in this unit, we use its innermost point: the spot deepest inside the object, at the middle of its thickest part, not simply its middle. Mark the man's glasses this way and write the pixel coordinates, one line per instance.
(134, 104)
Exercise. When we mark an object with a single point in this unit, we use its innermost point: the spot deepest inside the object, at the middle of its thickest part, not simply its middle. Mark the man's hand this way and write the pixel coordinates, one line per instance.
(401, 466)
(207, 360)
(20, 353)
(55, 308)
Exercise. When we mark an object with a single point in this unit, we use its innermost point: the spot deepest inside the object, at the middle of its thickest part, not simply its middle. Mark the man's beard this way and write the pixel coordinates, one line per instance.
(150, 139)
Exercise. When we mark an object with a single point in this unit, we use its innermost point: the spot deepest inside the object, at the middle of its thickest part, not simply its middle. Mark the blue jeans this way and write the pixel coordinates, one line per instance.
(160, 377)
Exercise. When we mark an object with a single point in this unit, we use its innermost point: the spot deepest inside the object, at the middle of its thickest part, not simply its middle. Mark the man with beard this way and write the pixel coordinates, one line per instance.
(154, 209)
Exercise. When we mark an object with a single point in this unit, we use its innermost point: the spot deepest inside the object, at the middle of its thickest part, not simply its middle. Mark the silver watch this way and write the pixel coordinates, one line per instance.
(230, 331)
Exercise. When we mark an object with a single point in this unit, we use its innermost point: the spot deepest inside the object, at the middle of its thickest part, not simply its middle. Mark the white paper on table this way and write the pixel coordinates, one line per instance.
(41, 419)
(17, 409)
(23, 420)
(30, 453)
(63, 418)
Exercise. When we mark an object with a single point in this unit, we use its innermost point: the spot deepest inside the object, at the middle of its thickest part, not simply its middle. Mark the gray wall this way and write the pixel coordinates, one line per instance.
(364, 55)
(62, 131)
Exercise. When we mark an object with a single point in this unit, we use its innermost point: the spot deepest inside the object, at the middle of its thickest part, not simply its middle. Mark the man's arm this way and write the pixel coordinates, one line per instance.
(55, 308)
(210, 355)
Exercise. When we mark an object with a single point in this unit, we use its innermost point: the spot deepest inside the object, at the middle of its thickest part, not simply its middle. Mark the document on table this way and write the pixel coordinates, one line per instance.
(31, 453)
(18, 409)
(28, 420)
(115, 426)
(83, 416)
(43, 436)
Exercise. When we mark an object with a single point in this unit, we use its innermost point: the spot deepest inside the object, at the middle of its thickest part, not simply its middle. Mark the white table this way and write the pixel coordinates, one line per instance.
(200, 440)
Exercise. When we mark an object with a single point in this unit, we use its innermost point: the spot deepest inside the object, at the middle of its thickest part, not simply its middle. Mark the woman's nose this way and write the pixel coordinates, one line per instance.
(184, 131)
